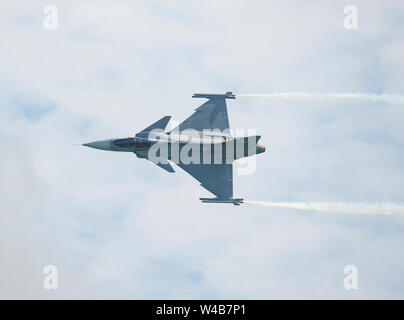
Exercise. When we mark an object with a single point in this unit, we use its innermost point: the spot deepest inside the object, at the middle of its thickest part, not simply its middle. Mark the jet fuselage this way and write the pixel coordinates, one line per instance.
(207, 148)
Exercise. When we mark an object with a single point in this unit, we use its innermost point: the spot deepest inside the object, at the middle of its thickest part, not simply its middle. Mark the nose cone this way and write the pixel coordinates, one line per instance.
(260, 148)
(102, 144)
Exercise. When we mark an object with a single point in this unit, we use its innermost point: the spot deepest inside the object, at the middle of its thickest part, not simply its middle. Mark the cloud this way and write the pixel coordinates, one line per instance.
(119, 227)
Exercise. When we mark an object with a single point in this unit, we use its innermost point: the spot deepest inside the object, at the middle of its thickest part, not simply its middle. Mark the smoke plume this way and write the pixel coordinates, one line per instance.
(360, 97)
(377, 208)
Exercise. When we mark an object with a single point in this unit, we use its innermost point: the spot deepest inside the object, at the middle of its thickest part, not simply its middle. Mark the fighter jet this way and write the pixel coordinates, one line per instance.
(202, 145)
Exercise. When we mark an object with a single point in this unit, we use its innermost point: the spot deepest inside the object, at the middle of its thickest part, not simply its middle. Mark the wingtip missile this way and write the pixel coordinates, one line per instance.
(235, 201)
(230, 95)
(227, 95)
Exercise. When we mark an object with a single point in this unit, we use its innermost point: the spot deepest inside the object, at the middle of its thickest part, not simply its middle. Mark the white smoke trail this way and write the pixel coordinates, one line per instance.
(378, 208)
(365, 97)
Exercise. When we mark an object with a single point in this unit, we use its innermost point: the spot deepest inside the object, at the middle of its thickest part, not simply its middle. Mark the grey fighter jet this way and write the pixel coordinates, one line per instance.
(202, 145)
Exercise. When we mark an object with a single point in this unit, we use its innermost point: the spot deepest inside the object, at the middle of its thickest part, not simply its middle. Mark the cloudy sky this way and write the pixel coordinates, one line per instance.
(118, 227)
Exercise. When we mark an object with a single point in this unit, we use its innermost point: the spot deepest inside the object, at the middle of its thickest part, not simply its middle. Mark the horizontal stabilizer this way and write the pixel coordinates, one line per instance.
(166, 167)
(160, 124)
(143, 154)
(235, 201)
(227, 95)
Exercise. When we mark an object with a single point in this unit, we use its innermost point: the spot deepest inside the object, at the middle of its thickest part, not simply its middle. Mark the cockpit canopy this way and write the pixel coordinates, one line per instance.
(131, 142)
(125, 143)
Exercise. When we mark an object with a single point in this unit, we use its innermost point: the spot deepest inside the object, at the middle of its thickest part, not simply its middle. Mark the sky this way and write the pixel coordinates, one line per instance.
(118, 227)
